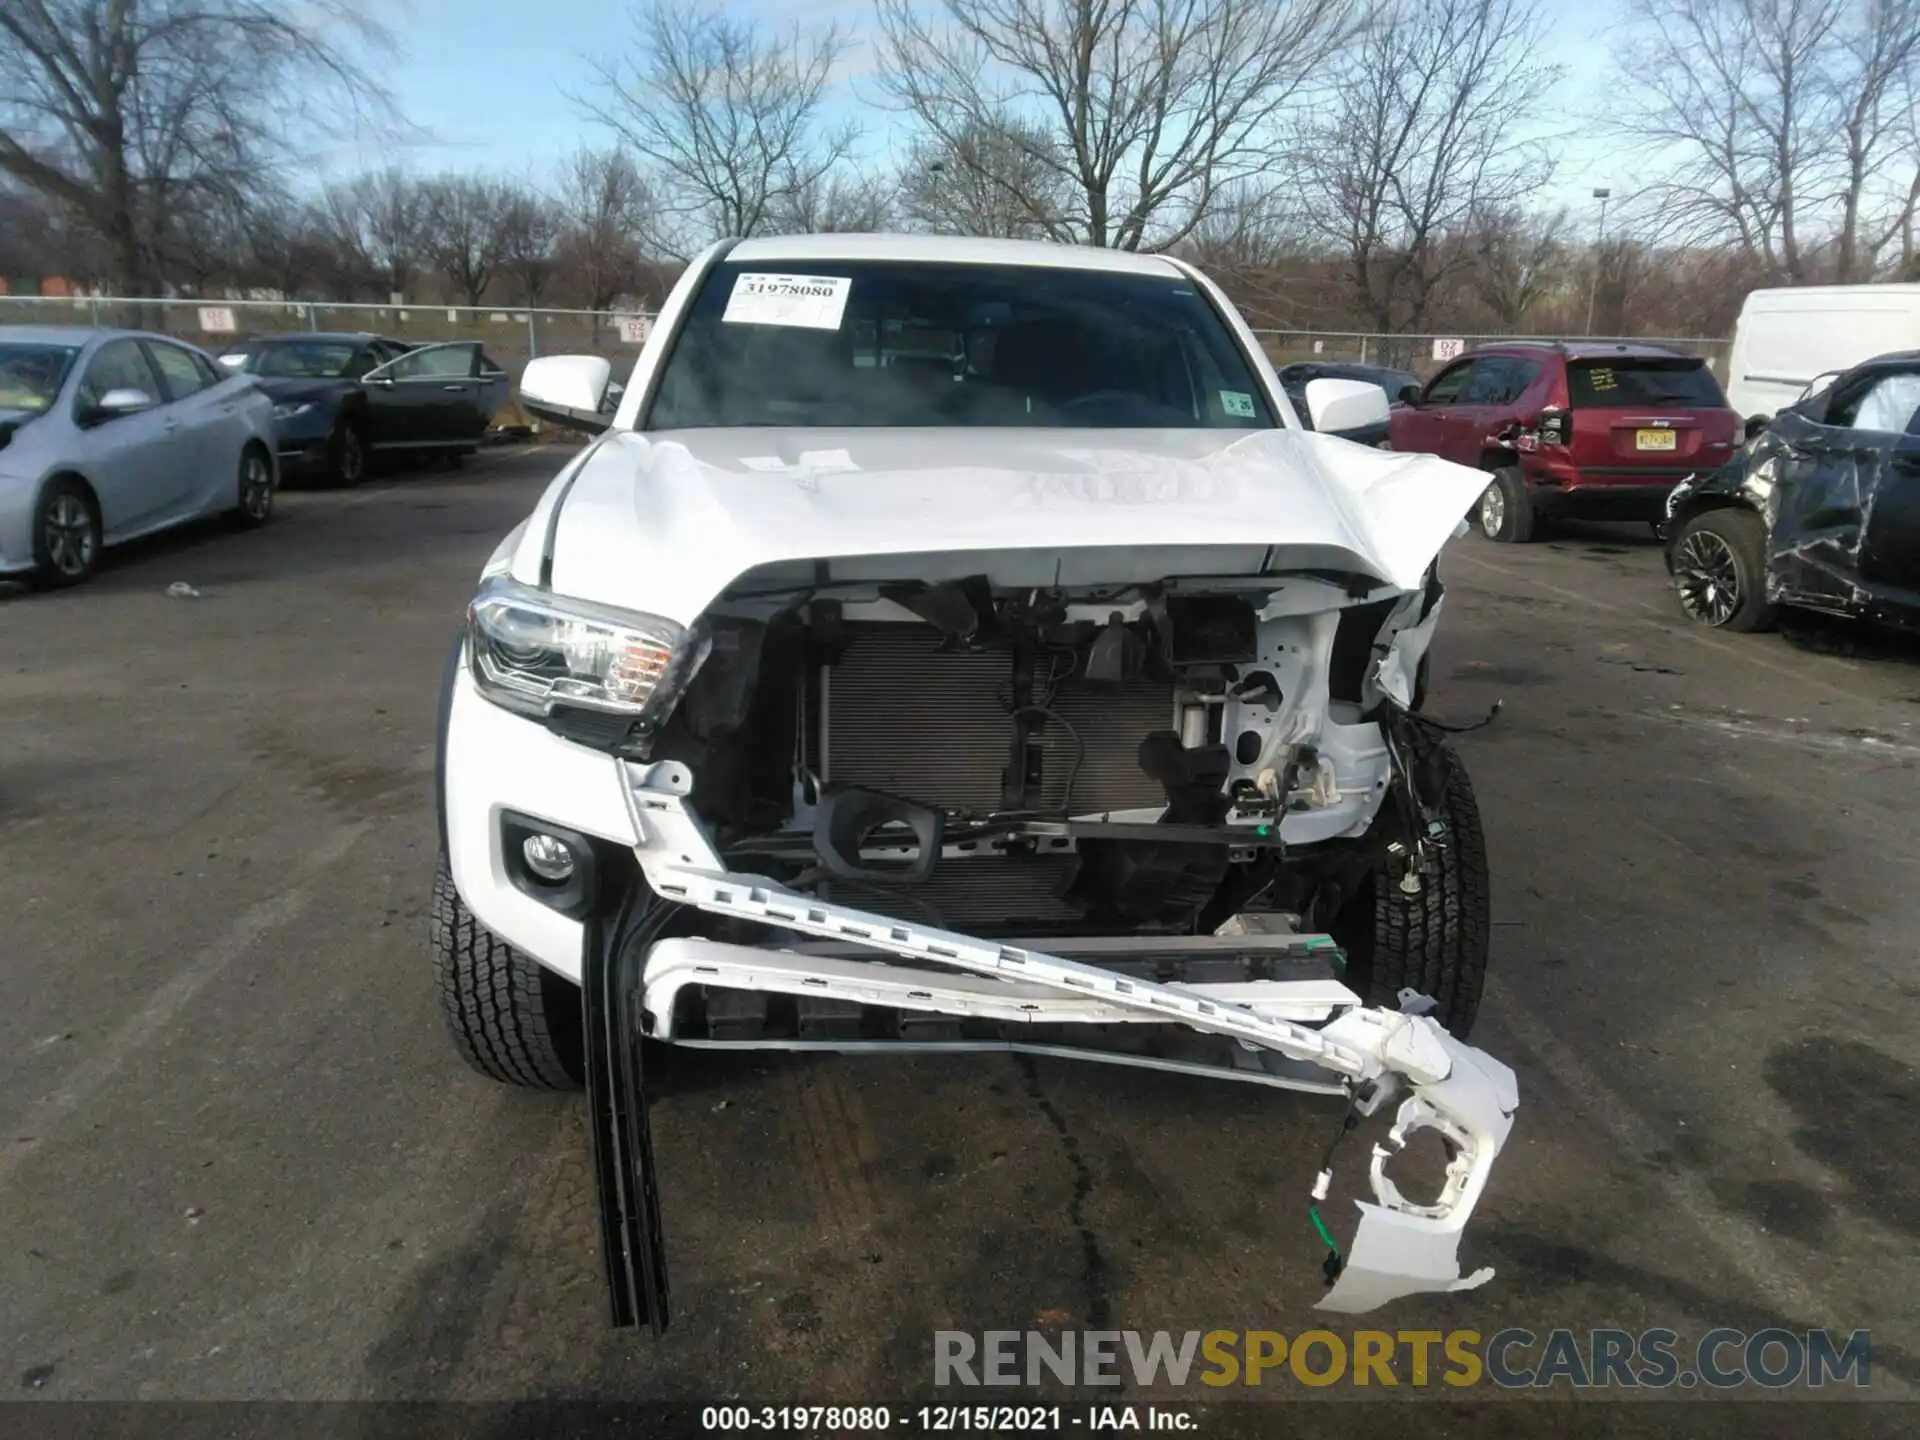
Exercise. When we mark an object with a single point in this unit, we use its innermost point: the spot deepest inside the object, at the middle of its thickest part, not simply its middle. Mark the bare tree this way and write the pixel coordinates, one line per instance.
(836, 205)
(999, 180)
(204, 248)
(1786, 126)
(465, 230)
(1873, 86)
(607, 211)
(1251, 243)
(1519, 258)
(38, 238)
(530, 227)
(130, 115)
(285, 245)
(1907, 98)
(1143, 109)
(732, 115)
(1425, 129)
(380, 222)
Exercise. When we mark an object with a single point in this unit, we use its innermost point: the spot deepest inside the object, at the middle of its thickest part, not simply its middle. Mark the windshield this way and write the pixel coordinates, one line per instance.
(303, 359)
(908, 344)
(1628, 384)
(31, 375)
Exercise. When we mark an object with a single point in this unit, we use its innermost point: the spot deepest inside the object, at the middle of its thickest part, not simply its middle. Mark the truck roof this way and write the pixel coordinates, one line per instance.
(950, 250)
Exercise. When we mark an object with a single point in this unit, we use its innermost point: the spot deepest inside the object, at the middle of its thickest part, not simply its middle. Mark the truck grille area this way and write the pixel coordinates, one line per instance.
(905, 717)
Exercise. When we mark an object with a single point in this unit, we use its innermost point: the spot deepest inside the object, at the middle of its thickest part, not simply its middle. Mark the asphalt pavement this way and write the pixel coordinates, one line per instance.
(238, 1158)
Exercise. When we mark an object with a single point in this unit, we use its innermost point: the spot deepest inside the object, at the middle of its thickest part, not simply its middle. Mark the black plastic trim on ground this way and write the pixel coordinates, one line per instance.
(611, 981)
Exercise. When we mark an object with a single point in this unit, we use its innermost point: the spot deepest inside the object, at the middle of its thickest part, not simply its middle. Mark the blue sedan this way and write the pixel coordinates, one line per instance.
(342, 401)
(106, 435)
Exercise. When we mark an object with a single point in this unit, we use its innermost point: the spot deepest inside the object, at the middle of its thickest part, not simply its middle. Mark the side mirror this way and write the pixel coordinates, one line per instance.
(569, 390)
(1344, 407)
(375, 377)
(1409, 395)
(124, 401)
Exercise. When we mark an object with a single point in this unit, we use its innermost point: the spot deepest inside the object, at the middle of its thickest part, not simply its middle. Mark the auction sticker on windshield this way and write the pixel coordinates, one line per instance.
(813, 302)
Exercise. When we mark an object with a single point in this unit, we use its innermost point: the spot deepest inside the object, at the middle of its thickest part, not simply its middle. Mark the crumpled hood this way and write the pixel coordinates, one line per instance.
(663, 522)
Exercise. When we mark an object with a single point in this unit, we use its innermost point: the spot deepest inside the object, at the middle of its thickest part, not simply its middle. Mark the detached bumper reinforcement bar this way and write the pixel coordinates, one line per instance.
(1401, 1247)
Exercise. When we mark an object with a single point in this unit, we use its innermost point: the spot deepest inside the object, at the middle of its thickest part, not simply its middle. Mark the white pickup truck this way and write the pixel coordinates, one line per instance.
(963, 642)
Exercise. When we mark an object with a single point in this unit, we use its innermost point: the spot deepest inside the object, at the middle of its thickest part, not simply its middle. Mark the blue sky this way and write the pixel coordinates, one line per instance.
(483, 81)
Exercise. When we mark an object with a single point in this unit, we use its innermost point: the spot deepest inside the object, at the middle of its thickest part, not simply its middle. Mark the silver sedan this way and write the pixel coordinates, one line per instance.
(106, 435)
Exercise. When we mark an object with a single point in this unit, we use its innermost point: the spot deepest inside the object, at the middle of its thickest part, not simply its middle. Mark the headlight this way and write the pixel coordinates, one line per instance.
(292, 411)
(535, 653)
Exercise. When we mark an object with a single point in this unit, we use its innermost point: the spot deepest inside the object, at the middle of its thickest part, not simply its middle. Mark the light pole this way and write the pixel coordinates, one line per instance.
(1599, 236)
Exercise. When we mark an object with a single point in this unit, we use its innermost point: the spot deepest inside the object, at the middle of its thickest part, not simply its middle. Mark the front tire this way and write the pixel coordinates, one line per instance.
(1720, 569)
(1434, 942)
(1505, 512)
(66, 535)
(346, 455)
(255, 507)
(510, 1018)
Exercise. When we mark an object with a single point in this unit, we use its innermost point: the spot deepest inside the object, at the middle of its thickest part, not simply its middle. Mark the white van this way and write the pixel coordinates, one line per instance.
(1786, 339)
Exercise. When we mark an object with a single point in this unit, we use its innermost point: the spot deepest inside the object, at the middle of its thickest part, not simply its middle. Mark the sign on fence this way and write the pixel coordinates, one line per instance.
(1448, 348)
(217, 320)
(634, 329)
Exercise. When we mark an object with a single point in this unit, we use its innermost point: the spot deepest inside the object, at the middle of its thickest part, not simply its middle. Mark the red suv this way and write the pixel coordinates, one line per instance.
(1600, 432)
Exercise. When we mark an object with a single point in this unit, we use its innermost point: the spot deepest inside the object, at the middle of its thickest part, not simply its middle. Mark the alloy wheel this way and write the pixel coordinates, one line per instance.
(1493, 511)
(256, 487)
(352, 457)
(1707, 578)
(69, 536)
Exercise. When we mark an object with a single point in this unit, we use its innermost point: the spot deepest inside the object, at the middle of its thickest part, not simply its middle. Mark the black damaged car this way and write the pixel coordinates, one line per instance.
(1820, 511)
(341, 400)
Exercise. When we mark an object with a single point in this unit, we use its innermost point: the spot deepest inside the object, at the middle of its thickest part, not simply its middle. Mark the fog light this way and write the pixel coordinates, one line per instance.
(548, 858)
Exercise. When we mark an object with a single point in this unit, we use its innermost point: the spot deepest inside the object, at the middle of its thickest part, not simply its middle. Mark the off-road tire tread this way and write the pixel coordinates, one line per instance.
(491, 997)
(1434, 942)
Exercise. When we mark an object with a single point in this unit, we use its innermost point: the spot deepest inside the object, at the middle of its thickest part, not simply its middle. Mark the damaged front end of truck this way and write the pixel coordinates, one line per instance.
(1119, 804)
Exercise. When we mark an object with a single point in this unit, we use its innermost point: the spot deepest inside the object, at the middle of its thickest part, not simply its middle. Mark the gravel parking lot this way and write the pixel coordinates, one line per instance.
(238, 1159)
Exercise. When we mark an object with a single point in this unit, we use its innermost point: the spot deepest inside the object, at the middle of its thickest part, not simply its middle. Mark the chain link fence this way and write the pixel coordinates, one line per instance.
(513, 336)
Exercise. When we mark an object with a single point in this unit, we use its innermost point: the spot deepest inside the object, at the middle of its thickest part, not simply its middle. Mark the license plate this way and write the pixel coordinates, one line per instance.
(1655, 439)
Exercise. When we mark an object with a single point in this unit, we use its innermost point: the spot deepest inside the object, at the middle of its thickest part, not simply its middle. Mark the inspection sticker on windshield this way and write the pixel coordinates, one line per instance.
(813, 302)
(1237, 402)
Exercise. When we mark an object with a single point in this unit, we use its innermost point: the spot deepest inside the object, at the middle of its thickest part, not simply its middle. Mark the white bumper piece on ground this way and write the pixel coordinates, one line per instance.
(1401, 1248)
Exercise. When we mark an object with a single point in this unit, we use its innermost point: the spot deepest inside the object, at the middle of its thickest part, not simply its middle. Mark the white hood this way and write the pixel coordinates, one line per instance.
(663, 523)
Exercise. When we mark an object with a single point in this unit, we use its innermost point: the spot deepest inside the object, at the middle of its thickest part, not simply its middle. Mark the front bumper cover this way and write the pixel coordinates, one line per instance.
(630, 978)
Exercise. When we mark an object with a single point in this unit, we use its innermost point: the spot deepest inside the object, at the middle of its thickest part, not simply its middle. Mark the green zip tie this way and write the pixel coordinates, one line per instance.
(1313, 1214)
